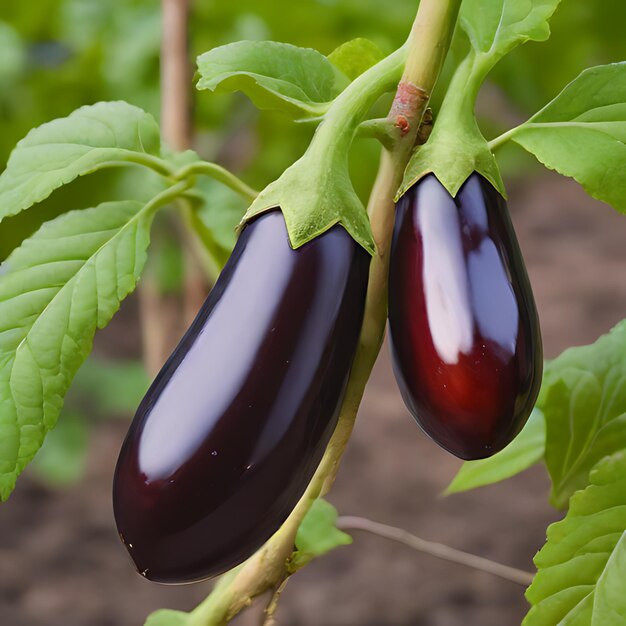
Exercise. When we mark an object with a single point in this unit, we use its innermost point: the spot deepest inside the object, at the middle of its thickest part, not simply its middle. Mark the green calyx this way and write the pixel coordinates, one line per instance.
(316, 192)
(456, 147)
(315, 195)
(490, 29)
(453, 158)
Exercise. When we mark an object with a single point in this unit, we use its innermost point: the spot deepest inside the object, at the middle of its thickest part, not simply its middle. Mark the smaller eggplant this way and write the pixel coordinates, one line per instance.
(464, 329)
(234, 426)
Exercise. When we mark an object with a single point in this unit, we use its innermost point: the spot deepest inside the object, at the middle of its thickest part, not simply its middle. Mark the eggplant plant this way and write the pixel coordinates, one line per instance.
(240, 436)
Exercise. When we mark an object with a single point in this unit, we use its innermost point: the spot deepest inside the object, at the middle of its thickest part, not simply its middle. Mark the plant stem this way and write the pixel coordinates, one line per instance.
(269, 614)
(220, 174)
(438, 550)
(155, 163)
(427, 51)
(460, 108)
(429, 42)
(384, 130)
(167, 196)
(341, 122)
(269, 567)
(499, 141)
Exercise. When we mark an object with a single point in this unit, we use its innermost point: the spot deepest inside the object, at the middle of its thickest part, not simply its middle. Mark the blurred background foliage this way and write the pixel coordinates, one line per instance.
(57, 55)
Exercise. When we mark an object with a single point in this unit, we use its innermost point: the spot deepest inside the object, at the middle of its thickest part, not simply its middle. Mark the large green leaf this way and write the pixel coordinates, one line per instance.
(93, 137)
(526, 450)
(582, 133)
(609, 605)
(495, 27)
(580, 581)
(585, 409)
(55, 290)
(299, 81)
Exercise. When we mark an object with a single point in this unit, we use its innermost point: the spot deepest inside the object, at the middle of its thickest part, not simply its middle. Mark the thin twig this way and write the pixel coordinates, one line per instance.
(269, 614)
(439, 550)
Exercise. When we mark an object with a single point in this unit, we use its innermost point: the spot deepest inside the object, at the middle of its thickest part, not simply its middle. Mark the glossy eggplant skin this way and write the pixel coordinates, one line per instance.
(464, 329)
(234, 426)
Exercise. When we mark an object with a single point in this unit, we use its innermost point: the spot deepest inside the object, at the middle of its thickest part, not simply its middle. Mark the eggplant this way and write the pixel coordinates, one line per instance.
(465, 337)
(234, 426)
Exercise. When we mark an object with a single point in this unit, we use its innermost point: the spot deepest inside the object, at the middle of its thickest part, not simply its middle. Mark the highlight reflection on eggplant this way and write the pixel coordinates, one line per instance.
(464, 329)
(234, 426)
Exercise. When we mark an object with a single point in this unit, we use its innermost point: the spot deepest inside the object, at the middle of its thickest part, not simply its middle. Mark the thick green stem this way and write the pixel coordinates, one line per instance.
(341, 123)
(459, 108)
(435, 20)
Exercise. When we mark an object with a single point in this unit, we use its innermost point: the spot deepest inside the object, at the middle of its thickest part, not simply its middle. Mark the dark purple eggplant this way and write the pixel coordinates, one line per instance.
(465, 335)
(234, 426)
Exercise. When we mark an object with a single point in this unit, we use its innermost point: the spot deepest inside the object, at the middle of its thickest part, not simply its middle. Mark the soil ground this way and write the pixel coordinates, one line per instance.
(61, 563)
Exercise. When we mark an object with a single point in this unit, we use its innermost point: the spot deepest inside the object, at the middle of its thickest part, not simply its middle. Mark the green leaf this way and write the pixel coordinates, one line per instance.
(318, 534)
(609, 605)
(61, 460)
(93, 137)
(355, 57)
(582, 133)
(526, 450)
(298, 81)
(581, 569)
(495, 27)
(55, 290)
(584, 403)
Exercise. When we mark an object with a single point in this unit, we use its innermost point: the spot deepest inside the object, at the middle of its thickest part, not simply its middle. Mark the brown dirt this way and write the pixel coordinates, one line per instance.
(62, 565)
